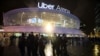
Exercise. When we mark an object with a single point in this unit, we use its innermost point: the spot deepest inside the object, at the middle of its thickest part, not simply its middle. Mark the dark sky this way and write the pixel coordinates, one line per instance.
(84, 9)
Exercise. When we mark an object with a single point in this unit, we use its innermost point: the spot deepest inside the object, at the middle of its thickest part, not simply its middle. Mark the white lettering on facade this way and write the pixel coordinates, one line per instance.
(61, 8)
(52, 7)
(45, 6)
(58, 7)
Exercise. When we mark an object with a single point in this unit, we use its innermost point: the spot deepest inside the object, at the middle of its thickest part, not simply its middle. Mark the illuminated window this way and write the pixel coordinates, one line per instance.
(32, 20)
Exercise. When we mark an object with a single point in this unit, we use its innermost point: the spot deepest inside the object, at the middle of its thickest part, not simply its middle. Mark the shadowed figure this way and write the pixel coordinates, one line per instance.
(12, 40)
(36, 38)
(56, 45)
(64, 45)
(30, 45)
(42, 43)
(22, 44)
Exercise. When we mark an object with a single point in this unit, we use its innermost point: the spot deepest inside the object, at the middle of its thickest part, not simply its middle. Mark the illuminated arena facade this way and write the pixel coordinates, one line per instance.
(36, 20)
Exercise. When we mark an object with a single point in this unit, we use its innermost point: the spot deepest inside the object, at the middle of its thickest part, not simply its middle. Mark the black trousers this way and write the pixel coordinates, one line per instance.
(41, 51)
(22, 51)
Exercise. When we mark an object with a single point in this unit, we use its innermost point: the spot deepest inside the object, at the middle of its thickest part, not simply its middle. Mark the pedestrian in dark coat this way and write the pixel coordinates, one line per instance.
(36, 39)
(64, 45)
(30, 45)
(42, 43)
(22, 44)
(56, 45)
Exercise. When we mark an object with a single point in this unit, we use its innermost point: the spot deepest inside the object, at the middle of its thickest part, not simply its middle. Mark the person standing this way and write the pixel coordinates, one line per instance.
(22, 44)
(63, 42)
(36, 38)
(64, 45)
(30, 44)
(12, 40)
(42, 43)
(56, 45)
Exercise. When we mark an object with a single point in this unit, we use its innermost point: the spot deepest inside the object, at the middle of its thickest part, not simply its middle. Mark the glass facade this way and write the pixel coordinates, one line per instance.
(39, 17)
(35, 20)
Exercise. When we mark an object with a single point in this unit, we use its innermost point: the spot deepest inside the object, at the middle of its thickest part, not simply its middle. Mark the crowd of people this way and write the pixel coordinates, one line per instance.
(34, 45)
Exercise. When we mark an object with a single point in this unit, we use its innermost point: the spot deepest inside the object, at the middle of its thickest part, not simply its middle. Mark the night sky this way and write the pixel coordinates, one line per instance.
(83, 9)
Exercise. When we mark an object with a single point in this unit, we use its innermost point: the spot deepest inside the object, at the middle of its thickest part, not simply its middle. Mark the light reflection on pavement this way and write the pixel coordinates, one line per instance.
(48, 49)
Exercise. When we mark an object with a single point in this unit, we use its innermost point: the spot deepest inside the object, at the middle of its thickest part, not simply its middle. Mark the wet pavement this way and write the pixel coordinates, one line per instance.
(75, 47)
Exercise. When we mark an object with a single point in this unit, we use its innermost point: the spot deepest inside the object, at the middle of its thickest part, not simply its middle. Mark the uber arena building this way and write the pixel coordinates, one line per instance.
(45, 18)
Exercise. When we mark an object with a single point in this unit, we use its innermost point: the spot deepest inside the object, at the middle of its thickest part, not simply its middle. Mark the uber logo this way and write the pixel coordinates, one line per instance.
(45, 6)
(52, 7)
